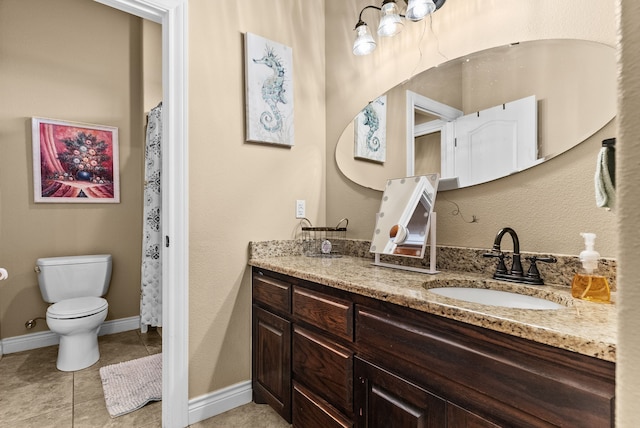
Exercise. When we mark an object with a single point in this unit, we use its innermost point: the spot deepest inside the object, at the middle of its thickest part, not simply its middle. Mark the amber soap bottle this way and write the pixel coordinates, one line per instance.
(587, 284)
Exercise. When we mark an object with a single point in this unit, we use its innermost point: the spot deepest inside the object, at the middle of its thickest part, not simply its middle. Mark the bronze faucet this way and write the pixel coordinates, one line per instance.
(516, 274)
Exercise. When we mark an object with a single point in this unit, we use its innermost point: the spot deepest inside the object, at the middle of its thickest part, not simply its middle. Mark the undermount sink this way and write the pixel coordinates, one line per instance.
(496, 298)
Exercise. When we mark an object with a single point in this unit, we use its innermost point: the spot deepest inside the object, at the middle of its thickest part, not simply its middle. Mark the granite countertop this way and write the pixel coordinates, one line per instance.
(583, 327)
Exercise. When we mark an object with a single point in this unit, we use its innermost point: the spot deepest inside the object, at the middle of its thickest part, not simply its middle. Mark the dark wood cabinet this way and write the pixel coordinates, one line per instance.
(271, 339)
(328, 358)
(312, 411)
(272, 361)
(458, 417)
(325, 367)
(322, 358)
(386, 400)
(332, 315)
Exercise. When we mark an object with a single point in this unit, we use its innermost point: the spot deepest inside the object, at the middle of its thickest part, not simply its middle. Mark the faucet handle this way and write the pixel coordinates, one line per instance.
(549, 259)
(533, 274)
(534, 259)
(502, 268)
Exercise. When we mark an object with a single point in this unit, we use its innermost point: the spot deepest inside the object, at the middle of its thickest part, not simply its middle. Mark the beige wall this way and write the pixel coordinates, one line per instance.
(80, 61)
(548, 205)
(628, 368)
(238, 191)
(151, 64)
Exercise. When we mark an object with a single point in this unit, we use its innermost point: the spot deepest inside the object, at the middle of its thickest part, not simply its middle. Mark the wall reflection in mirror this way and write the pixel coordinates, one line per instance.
(403, 220)
(572, 83)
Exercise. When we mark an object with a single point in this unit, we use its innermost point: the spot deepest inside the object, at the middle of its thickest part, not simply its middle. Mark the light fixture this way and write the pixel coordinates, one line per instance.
(391, 21)
(364, 43)
(418, 9)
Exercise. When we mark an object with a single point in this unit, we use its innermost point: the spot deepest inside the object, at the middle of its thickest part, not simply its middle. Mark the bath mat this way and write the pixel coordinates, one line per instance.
(130, 385)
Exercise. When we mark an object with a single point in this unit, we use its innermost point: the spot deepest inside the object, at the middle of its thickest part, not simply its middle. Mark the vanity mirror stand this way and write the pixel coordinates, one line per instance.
(432, 253)
(406, 220)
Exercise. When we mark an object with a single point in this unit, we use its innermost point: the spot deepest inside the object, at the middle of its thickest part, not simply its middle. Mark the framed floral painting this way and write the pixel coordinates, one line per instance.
(74, 162)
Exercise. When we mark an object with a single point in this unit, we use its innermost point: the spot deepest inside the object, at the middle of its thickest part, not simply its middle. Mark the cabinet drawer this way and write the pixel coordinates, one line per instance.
(311, 411)
(325, 367)
(332, 314)
(545, 385)
(272, 292)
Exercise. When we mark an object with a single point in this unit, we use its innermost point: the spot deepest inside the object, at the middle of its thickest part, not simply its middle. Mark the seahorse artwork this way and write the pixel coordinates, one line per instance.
(371, 120)
(269, 91)
(272, 90)
(370, 131)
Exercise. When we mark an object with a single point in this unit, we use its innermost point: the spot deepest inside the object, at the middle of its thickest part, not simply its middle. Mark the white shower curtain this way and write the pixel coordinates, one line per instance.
(151, 287)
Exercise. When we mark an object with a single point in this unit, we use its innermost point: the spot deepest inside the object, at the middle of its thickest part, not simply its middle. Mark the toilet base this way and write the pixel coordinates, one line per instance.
(78, 351)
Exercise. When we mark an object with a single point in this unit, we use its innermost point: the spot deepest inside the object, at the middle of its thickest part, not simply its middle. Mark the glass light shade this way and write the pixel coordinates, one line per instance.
(364, 43)
(390, 21)
(418, 9)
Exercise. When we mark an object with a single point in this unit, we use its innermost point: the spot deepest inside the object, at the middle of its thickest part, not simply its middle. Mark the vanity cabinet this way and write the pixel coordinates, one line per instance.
(358, 361)
(271, 366)
(302, 351)
(322, 358)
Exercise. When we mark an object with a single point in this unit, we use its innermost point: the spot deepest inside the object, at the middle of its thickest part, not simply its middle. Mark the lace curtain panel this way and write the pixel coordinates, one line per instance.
(151, 287)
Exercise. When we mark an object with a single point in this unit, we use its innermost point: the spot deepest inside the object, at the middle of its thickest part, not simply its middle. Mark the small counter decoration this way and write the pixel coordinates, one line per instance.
(74, 162)
(323, 241)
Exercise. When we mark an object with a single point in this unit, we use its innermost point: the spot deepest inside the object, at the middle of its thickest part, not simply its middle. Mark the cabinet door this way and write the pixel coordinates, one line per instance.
(272, 361)
(385, 400)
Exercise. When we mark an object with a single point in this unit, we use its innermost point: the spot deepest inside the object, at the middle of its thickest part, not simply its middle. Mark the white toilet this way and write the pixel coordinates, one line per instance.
(75, 285)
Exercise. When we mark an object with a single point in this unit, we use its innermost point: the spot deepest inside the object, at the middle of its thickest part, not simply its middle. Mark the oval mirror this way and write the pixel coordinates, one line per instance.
(572, 84)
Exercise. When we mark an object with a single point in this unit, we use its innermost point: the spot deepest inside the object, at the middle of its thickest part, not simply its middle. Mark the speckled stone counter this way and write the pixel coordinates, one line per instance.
(583, 327)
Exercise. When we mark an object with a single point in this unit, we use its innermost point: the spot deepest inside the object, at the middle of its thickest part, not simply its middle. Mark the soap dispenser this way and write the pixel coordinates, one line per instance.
(587, 285)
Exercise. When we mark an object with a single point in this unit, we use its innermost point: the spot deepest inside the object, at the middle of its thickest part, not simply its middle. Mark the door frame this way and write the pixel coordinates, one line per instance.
(415, 101)
(172, 15)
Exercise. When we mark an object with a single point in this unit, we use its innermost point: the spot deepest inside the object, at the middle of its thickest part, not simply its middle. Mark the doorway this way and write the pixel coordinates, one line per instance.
(172, 15)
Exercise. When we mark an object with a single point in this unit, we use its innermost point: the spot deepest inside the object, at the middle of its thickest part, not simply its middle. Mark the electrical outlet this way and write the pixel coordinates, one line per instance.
(300, 208)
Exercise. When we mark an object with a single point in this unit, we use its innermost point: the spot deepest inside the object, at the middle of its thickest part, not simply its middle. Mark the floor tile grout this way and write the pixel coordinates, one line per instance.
(33, 373)
(29, 369)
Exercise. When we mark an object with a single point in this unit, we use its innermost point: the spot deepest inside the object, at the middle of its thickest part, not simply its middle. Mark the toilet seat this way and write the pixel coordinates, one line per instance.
(78, 307)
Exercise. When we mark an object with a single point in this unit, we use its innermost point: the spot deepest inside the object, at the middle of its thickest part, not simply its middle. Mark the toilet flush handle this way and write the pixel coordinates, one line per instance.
(37, 269)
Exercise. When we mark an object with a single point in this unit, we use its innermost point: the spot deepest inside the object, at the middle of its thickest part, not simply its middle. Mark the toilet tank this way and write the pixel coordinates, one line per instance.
(63, 278)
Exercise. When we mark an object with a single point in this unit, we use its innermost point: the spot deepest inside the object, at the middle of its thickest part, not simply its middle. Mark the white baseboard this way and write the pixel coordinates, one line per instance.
(214, 403)
(119, 325)
(48, 338)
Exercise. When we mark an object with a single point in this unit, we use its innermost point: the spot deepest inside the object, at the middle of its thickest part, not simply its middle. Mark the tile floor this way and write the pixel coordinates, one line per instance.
(33, 393)
(250, 415)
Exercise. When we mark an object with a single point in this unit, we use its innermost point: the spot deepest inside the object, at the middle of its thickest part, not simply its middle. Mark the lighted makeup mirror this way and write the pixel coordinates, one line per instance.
(406, 219)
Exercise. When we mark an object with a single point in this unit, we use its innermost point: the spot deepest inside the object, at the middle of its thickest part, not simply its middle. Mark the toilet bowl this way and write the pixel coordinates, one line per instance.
(75, 285)
(77, 322)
